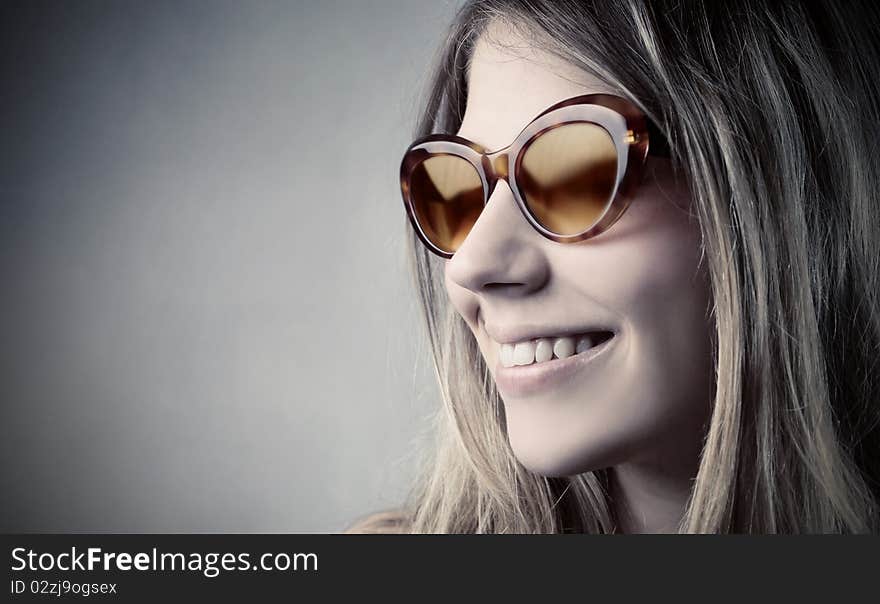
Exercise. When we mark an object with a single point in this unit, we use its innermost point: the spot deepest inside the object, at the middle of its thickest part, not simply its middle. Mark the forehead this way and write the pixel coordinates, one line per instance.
(511, 81)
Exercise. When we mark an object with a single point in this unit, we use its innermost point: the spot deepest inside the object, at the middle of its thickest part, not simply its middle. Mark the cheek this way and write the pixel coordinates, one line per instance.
(660, 284)
(466, 305)
(658, 389)
(461, 299)
(662, 293)
(665, 293)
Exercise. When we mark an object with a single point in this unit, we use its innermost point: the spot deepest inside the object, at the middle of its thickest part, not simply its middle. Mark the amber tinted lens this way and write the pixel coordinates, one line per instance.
(447, 198)
(567, 176)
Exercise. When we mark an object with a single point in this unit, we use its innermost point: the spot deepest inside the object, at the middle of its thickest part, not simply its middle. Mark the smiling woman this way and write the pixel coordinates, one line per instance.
(645, 236)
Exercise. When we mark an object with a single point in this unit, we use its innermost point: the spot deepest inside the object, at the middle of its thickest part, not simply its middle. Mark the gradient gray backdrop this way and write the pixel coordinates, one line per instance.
(206, 322)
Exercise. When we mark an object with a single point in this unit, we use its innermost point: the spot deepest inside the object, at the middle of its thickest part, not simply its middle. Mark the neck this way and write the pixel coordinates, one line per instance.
(650, 494)
(647, 498)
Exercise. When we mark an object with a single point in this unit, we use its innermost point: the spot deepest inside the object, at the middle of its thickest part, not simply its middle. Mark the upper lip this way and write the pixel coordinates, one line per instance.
(510, 334)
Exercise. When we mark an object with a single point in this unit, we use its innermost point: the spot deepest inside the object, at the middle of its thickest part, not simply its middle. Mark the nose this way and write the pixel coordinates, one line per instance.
(502, 251)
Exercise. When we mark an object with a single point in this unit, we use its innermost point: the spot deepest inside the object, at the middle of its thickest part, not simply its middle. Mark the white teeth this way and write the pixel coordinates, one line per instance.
(583, 343)
(543, 350)
(507, 355)
(524, 353)
(563, 347)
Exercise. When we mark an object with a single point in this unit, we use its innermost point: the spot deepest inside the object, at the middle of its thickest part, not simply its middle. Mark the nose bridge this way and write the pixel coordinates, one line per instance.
(500, 247)
(499, 164)
(496, 166)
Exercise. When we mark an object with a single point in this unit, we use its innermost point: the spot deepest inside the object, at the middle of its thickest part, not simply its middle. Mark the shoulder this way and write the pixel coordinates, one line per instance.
(389, 521)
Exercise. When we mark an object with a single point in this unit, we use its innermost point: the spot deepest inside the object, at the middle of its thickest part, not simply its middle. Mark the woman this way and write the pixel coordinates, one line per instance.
(646, 241)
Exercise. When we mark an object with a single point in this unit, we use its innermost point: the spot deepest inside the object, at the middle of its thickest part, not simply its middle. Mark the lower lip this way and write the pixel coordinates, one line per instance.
(525, 380)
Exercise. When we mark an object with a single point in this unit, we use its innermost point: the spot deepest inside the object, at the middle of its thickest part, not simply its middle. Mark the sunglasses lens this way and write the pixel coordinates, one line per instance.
(567, 176)
(447, 198)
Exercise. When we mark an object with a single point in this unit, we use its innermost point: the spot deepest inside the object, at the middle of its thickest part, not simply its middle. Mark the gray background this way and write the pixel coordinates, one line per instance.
(206, 323)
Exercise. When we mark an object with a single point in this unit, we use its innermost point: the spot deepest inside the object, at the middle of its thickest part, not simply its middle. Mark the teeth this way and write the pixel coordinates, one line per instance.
(524, 353)
(583, 343)
(506, 355)
(543, 350)
(563, 347)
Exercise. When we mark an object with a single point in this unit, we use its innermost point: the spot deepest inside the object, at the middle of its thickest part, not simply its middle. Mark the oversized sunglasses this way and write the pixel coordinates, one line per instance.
(572, 170)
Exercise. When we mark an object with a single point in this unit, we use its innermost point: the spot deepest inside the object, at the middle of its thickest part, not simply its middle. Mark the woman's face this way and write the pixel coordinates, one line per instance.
(641, 396)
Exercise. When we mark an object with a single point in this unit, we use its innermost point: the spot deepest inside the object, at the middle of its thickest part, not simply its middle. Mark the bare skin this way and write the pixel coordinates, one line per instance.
(641, 407)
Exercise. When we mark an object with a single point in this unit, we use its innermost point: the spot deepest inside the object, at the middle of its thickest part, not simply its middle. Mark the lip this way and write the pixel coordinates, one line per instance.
(512, 335)
(521, 381)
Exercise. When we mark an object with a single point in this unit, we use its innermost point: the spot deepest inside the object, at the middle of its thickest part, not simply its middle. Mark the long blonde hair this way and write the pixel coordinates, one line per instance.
(771, 109)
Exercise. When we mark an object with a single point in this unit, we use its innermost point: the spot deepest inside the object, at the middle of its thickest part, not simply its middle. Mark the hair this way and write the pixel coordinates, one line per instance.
(771, 111)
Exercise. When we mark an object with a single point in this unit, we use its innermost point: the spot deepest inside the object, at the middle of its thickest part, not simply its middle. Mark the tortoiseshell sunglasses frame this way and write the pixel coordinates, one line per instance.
(632, 133)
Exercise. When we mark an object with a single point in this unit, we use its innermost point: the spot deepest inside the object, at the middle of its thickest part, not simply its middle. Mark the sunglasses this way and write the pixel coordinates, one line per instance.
(572, 171)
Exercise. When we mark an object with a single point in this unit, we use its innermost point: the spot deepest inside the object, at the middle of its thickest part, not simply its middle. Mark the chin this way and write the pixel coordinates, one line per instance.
(552, 467)
(552, 458)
